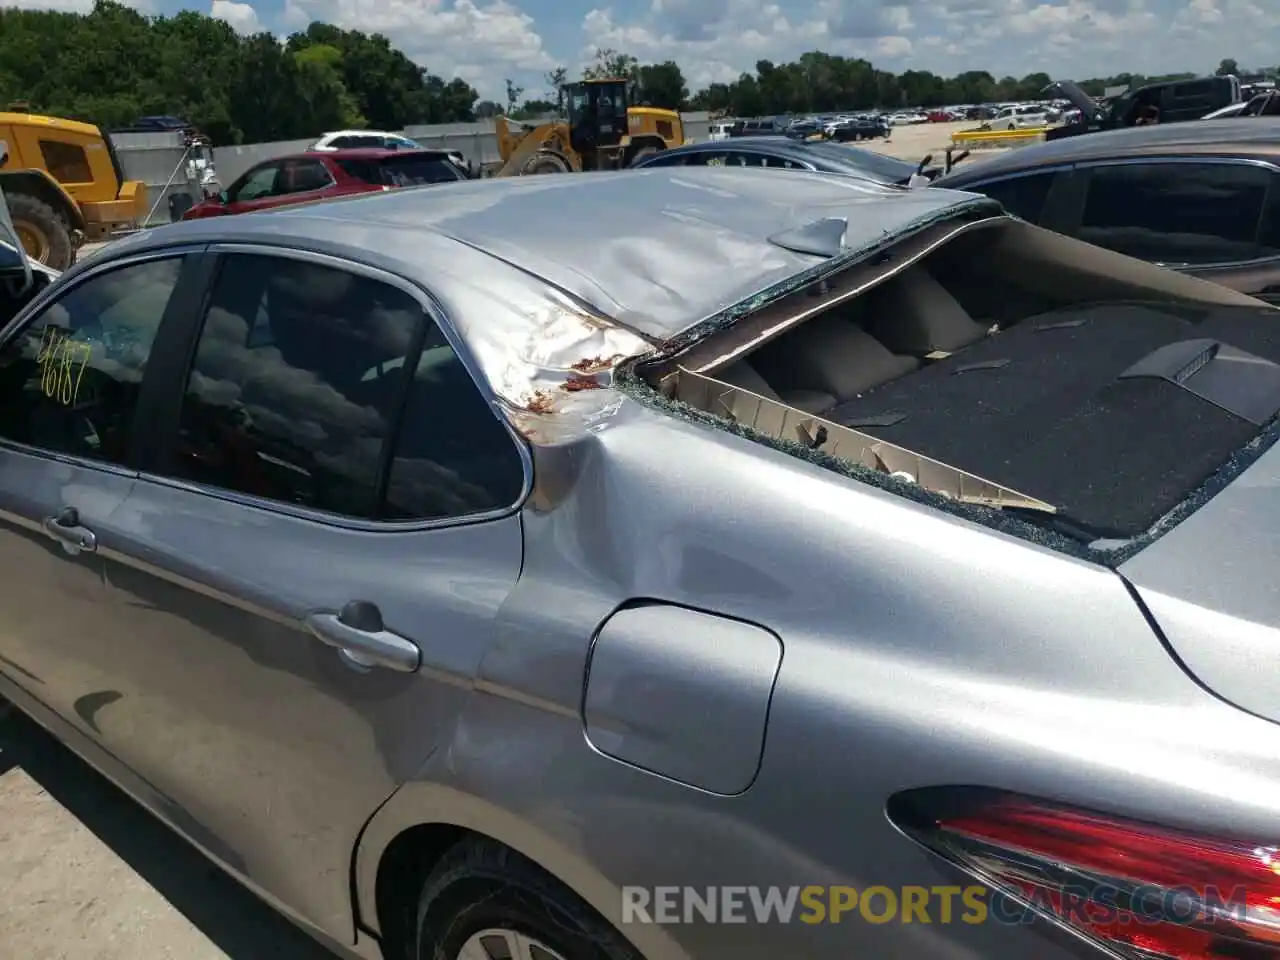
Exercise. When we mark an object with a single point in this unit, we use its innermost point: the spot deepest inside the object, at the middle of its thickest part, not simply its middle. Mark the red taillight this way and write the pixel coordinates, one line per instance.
(1144, 892)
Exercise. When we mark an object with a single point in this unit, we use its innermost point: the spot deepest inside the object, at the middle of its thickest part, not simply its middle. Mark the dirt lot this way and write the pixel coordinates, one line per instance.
(87, 875)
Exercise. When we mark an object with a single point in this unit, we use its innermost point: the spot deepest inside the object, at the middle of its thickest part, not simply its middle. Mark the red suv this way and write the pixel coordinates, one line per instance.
(301, 177)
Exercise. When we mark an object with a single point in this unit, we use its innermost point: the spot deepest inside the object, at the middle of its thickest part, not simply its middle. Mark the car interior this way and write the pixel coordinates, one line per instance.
(984, 364)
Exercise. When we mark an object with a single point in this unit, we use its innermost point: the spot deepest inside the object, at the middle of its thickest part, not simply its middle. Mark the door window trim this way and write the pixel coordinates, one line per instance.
(146, 402)
(1086, 167)
(434, 311)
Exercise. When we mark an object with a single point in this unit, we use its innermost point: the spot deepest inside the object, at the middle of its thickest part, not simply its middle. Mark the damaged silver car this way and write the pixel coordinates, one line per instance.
(809, 569)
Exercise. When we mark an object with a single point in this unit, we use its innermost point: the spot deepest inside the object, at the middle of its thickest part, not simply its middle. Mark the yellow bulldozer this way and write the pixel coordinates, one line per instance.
(64, 185)
(603, 132)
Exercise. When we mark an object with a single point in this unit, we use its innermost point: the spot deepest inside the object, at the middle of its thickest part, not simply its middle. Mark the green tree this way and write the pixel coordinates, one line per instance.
(662, 85)
(611, 65)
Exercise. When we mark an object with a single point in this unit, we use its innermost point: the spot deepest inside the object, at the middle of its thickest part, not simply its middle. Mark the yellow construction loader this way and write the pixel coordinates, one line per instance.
(603, 132)
(63, 184)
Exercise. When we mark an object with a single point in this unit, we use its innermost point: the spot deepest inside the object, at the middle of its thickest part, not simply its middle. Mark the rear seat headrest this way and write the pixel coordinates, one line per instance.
(913, 313)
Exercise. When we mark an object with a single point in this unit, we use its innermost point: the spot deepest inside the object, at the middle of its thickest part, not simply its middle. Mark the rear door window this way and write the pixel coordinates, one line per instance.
(1177, 213)
(321, 388)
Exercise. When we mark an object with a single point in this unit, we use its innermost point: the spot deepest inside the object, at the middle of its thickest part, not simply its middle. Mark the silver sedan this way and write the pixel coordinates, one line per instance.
(677, 564)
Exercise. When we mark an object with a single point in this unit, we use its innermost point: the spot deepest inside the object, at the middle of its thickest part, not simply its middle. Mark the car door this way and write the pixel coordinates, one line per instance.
(72, 428)
(1213, 218)
(308, 574)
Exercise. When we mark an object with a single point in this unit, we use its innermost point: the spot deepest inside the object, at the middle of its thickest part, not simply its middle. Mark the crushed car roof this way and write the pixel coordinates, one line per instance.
(657, 251)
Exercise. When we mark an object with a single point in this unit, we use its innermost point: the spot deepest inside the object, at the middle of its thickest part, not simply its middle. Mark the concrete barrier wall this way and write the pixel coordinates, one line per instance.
(152, 157)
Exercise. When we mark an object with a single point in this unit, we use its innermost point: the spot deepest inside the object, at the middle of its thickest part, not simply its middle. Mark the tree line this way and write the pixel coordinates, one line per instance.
(114, 65)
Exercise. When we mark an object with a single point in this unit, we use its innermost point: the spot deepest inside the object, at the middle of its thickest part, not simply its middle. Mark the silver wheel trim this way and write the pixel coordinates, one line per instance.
(499, 944)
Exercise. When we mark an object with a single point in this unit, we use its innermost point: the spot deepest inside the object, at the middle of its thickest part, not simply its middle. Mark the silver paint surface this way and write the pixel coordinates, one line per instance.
(682, 693)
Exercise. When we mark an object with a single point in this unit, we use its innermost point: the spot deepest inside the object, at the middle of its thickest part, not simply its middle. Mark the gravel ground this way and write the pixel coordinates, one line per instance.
(87, 875)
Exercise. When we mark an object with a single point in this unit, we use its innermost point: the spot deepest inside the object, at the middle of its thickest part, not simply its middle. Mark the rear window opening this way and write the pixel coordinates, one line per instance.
(403, 169)
(997, 364)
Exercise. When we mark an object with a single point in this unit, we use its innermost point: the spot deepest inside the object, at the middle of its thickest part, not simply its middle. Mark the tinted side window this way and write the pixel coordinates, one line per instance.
(452, 455)
(256, 184)
(298, 380)
(415, 169)
(365, 170)
(299, 176)
(66, 162)
(1178, 213)
(1022, 196)
(69, 381)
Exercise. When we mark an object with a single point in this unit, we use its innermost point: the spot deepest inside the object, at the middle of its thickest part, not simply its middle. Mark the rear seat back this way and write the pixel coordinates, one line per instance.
(914, 314)
(743, 375)
(830, 355)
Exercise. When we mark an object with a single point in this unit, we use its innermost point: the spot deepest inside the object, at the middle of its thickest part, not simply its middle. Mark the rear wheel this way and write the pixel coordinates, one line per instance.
(484, 901)
(44, 233)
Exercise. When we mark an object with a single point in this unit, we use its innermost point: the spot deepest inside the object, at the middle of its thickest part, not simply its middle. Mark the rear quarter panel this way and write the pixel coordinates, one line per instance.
(918, 649)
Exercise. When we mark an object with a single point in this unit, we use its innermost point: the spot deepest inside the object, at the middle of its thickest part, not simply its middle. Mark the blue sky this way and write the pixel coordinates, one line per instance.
(485, 41)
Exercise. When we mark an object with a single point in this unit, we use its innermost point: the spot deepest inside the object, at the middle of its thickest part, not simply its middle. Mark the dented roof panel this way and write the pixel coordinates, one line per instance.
(551, 281)
(656, 250)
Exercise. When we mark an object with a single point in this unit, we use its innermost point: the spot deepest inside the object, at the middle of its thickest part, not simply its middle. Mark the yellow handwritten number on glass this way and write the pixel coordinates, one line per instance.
(62, 362)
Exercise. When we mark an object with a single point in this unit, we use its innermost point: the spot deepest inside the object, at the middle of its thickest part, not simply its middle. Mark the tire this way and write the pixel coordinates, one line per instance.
(541, 163)
(644, 153)
(44, 232)
(483, 892)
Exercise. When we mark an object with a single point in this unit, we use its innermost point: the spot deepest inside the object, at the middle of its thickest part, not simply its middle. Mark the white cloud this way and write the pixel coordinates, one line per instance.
(241, 16)
(482, 42)
(716, 40)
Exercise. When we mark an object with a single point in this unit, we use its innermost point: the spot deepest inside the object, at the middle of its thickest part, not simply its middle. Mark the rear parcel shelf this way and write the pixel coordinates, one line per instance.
(1115, 414)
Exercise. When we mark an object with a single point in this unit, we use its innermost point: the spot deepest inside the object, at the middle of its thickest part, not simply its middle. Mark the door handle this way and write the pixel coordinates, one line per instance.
(65, 527)
(357, 632)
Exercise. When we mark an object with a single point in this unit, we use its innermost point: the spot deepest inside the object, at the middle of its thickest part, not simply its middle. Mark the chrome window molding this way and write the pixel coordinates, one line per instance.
(436, 314)
(1201, 160)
